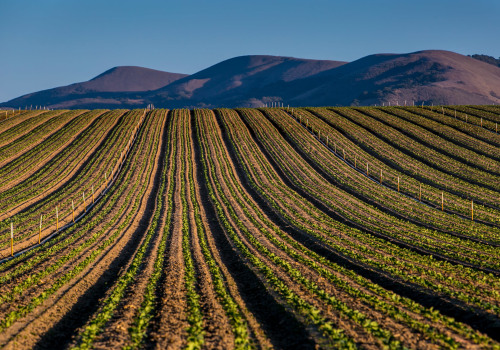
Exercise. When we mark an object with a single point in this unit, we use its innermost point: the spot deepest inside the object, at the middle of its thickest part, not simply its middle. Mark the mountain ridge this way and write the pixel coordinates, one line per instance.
(429, 76)
(120, 79)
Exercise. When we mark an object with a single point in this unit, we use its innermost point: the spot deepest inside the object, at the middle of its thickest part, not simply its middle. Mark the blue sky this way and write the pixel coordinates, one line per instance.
(49, 43)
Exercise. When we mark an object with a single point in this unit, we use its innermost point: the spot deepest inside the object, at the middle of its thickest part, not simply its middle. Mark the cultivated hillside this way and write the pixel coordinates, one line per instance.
(270, 228)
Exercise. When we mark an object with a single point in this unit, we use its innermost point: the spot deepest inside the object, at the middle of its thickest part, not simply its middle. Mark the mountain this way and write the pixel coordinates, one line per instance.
(432, 76)
(240, 81)
(113, 88)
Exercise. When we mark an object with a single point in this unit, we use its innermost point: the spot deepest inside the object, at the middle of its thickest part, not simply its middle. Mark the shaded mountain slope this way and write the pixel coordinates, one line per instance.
(430, 77)
(111, 88)
(439, 77)
(241, 80)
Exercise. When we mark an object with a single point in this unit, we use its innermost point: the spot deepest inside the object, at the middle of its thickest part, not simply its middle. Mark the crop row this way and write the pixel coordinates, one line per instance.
(448, 133)
(393, 197)
(364, 189)
(463, 122)
(371, 156)
(492, 112)
(25, 124)
(138, 330)
(358, 212)
(178, 166)
(39, 253)
(56, 170)
(242, 337)
(9, 119)
(96, 232)
(108, 306)
(54, 191)
(234, 229)
(248, 228)
(398, 261)
(442, 138)
(251, 213)
(489, 114)
(47, 132)
(314, 261)
(355, 285)
(24, 164)
(422, 152)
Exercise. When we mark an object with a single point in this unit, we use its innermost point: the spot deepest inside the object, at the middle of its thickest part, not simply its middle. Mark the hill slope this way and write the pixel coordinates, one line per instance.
(431, 77)
(241, 80)
(111, 88)
(439, 77)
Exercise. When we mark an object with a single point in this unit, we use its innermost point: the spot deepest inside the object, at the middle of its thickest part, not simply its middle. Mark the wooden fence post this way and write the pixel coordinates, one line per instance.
(343, 153)
(472, 209)
(442, 201)
(40, 230)
(398, 183)
(367, 169)
(11, 239)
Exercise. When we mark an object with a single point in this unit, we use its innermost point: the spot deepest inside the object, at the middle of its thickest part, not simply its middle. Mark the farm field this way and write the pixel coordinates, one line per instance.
(285, 228)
